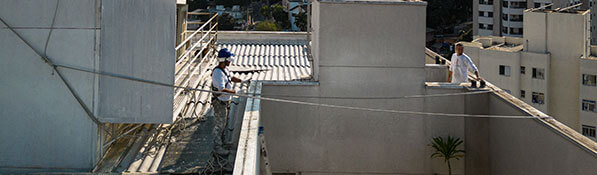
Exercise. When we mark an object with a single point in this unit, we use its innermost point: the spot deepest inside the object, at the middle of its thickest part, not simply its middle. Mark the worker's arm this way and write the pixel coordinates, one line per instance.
(229, 91)
(236, 80)
(449, 76)
(478, 77)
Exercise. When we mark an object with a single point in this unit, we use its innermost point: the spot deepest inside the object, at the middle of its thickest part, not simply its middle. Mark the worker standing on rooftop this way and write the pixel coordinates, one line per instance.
(222, 82)
(461, 63)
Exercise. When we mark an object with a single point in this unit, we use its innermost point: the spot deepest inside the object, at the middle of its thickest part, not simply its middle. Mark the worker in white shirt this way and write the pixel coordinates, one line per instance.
(461, 63)
(222, 82)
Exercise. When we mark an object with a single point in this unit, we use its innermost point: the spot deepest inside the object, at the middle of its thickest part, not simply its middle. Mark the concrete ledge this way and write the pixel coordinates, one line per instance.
(261, 35)
(291, 83)
(249, 149)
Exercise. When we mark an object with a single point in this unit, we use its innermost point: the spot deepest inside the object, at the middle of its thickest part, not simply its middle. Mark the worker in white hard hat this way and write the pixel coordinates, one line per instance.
(222, 82)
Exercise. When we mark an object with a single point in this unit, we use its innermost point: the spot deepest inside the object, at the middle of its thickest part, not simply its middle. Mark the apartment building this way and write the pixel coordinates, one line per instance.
(504, 17)
(548, 70)
(588, 94)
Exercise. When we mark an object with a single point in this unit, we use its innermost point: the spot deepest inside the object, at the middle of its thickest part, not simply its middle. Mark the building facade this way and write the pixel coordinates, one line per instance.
(504, 17)
(548, 70)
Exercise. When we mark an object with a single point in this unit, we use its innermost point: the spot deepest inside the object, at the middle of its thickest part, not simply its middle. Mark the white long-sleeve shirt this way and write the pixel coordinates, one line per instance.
(220, 81)
(460, 66)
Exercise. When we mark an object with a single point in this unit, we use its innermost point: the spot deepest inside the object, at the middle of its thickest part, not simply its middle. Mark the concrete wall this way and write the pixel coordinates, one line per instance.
(518, 146)
(436, 73)
(354, 60)
(489, 67)
(318, 140)
(44, 128)
(138, 40)
(534, 26)
(567, 41)
(588, 66)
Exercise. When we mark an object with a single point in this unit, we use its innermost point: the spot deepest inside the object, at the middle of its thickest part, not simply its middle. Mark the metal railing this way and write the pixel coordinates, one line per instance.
(196, 49)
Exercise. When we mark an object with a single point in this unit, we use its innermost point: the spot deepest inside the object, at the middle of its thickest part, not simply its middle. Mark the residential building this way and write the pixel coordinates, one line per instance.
(294, 7)
(353, 96)
(505, 17)
(543, 68)
(588, 94)
(593, 8)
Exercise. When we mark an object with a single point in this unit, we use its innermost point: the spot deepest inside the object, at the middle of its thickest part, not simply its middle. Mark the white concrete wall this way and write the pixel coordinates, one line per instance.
(518, 146)
(588, 92)
(43, 127)
(355, 60)
(317, 140)
(138, 40)
(489, 63)
(567, 41)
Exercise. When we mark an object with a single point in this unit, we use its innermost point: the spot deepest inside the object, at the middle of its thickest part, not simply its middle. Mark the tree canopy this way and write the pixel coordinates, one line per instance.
(445, 13)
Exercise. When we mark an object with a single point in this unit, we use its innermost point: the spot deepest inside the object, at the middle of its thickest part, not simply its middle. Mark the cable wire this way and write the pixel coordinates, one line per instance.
(301, 102)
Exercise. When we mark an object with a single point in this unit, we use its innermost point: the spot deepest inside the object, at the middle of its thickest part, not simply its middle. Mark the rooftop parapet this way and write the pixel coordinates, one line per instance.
(509, 44)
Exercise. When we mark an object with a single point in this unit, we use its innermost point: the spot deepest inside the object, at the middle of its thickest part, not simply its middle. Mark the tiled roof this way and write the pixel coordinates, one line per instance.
(274, 61)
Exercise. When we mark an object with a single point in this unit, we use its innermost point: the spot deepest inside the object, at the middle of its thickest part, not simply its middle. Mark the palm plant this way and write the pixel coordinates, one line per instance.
(447, 149)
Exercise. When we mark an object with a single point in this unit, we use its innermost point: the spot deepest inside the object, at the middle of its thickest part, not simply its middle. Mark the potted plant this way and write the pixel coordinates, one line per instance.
(447, 149)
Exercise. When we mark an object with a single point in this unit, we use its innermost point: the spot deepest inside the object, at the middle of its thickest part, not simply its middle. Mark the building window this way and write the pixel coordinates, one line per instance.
(588, 131)
(481, 26)
(518, 5)
(516, 31)
(490, 26)
(538, 98)
(505, 30)
(505, 17)
(481, 13)
(505, 4)
(538, 73)
(588, 80)
(487, 2)
(537, 5)
(588, 105)
(505, 70)
(489, 14)
(523, 94)
(523, 70)
(516, 18)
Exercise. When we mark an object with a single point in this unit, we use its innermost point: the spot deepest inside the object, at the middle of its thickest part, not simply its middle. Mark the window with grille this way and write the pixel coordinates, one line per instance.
(505, 70)
(539, 73)
(588, 131)
(588, 80)
(588, 105)
(538, 98)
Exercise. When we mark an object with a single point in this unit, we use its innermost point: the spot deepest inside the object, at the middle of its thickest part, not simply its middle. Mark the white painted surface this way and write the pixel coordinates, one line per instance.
(44, 128)
(137, 41)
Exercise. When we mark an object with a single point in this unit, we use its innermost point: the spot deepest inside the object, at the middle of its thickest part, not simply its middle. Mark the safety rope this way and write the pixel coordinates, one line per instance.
(300, 102)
